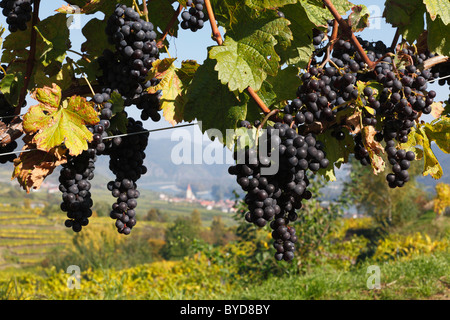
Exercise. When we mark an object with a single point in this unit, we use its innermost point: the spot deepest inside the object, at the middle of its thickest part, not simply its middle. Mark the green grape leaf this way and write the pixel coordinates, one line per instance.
(226, 11)
(439, 8)
(55, 123)
(243, 138)
(228, 110)
(65, 77)
(52, 42)
(338, 152)
(413, 30)
(247, 55)
(15, 45)
(119, 122)
(285, 83)
(187, 71)
(96, 42)
(185, 74)
(160, 13)
(117, 103)
(54, 34)
(10, 86)
(267, 95)
(242, 66)
(91, 69)
(268, 4)
(397, 12)
(318, 14)
(438, 39)
(301, 48)
(408, 16)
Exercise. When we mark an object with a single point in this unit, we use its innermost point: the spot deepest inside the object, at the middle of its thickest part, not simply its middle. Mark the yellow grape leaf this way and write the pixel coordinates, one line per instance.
(419, 141)
(439, 132)
(431, 164)
(48, 97)
(65, 124)
(169, 84)
(160, 68)
(436, 109)
(173, 82)
(442, 200)
(414, 141)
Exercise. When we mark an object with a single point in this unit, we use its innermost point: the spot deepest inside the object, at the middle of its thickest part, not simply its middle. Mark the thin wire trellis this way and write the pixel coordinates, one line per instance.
(112, 137)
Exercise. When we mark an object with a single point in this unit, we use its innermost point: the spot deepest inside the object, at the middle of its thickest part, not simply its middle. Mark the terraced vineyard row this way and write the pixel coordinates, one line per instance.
(26, 236)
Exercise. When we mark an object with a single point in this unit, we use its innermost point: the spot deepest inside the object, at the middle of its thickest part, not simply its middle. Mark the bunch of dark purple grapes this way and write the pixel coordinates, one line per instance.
(274, 196)
(76, 173)
(125, 70)
(403, 98)
(324, 92)
(7, 149)
(194, 18)
(6, 109)
(127, 156)
(74, 185)
(439, 72)
(17, 13)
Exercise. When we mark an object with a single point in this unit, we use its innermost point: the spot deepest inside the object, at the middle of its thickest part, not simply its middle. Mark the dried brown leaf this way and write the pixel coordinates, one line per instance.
(33, 165)
(375, 149)
(353, 123)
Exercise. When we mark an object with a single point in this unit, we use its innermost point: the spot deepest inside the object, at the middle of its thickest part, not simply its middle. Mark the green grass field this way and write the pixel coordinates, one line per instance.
(423, 277)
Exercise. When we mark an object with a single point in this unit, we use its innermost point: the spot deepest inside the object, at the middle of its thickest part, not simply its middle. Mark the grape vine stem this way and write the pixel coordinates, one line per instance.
(145, 10)
(267, 117)
(80, 90)
(347, 29)
(330, 46)
(31, 58)
(169, 26)
(218, 38)
(215, 30)
(395, 40)
(83, 56)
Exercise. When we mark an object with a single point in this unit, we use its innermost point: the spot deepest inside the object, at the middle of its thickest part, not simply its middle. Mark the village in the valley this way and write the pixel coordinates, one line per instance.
(225, 205)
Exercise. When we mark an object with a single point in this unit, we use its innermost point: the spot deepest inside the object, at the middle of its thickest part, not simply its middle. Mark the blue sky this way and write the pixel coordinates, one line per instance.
(190, 45)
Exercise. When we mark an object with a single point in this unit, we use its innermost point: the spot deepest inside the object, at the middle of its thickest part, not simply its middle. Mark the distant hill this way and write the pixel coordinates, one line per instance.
(165, 176)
